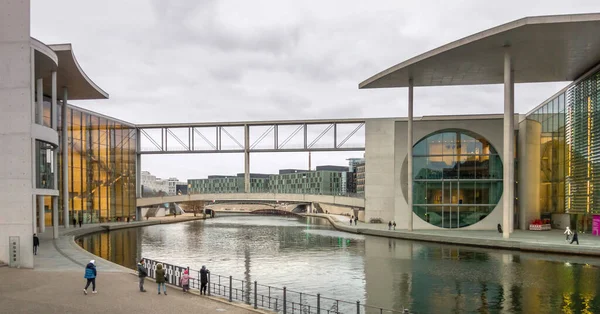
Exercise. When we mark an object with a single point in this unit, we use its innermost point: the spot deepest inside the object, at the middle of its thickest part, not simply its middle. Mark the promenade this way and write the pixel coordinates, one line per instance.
(552, 241)
(55, 284)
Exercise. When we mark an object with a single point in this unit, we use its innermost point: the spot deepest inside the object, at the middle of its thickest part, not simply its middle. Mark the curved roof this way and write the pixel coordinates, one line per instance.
(543, 49)
(70, 74)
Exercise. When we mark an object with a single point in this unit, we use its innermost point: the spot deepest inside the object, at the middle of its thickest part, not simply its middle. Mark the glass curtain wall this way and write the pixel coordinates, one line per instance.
(457, 178)
(101, 168)
(552, 145)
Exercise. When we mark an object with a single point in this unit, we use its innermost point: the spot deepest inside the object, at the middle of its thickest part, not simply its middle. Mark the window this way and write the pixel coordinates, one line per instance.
(457, 178)
(44, 159)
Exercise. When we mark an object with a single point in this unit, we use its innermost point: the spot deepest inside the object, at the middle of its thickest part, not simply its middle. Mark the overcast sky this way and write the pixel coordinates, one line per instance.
(202, 60)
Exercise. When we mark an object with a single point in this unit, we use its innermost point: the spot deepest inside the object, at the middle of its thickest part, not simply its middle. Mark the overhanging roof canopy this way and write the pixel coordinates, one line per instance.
(543, 49)
(70, 75)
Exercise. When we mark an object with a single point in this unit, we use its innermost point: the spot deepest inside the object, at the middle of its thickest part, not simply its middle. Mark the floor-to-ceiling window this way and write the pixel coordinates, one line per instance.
(457, 178)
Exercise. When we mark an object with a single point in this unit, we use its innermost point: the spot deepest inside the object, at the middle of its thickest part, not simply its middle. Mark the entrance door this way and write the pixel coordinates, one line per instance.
(449, 212)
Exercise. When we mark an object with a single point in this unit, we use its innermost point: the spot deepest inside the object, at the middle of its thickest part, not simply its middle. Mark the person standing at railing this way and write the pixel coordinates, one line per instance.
(160, 278)
(203, 279)
(185, 281)
(142, 273)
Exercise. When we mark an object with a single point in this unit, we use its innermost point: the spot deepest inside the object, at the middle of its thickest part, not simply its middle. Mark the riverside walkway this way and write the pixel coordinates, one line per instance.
(552, 241)
(55, 284)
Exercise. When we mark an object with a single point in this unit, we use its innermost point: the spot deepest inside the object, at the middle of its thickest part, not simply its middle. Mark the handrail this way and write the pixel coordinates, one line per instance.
(279, 300)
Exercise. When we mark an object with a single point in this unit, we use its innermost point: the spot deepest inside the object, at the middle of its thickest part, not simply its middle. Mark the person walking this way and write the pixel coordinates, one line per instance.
(394, 224)
(356, 220)
(160, 278)
(203, 279)
(142, 274)
(36, 243)
(185, 281)
(575, 237)
(568, 232)
(80, 221)
(390, 225)
(90, 275)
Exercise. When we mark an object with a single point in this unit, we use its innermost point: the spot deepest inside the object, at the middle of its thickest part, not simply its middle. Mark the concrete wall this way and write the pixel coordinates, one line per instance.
(489, 127)
(529, 171)
(379, 169)
(16, 173)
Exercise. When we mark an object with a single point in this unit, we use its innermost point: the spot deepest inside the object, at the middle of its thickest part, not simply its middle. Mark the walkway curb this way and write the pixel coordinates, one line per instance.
(449, 238)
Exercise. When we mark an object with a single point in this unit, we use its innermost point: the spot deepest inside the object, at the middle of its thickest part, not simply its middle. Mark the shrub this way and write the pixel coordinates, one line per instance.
(376, 221)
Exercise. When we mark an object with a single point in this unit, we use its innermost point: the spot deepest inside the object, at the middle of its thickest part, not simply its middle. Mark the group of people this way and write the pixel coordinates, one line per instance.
(353, 220)
(570, 233)
(392, 224)
(161, 278)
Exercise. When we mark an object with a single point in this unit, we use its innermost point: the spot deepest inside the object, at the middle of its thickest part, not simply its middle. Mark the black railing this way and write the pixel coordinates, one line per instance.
(279, 300)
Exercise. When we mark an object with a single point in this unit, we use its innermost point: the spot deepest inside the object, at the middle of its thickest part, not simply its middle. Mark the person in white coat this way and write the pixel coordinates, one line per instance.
(568, 232)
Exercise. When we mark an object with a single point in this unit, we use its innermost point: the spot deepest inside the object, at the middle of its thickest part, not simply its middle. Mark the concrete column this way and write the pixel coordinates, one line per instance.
(508, 169)
(34, 213)
(138, 164)
(55, 217)
(409, 152)
(41, 212)
(65, 159)
(54, 110)
(246, 159)
(529, 171)
(39, 105)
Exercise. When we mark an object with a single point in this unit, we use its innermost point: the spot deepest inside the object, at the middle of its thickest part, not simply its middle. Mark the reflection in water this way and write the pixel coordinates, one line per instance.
(308, 255)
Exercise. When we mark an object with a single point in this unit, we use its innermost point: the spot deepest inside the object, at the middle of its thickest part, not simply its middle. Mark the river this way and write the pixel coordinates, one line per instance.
(308, 255)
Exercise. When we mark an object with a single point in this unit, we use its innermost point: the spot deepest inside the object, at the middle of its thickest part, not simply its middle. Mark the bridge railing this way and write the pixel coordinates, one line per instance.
(263, 191)
(279, 300)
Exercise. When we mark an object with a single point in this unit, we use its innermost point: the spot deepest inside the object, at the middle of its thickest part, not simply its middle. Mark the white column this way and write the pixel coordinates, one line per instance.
(54, 109)
(39, 105)
(55, 217)
(508, 160)
(65, 159)
(35, 210)
(41, 212)
(409, 152)
(246, 159)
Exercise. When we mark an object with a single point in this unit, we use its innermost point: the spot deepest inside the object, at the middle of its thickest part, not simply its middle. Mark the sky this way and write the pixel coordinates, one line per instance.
(178, 61)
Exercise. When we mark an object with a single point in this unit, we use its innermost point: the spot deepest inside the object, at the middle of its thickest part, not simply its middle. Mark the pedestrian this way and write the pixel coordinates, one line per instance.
(185, 280)
(204, 273)
(355, 221)
(575, 237)
(80, 221)
(351, 221)
(499, 228)
(568, 232)
(394, 224)
(90, 275)
(390, 225)
(74, 222)
(175, 214)
(160, 278)
(36, 243)
(142, 274)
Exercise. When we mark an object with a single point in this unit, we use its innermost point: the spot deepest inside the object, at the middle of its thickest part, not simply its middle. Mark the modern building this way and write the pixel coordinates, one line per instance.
(59, 162)
(478, 171)
(360, 177)
(317, 182)
(173, 183)
(228, 184)
(154, 185)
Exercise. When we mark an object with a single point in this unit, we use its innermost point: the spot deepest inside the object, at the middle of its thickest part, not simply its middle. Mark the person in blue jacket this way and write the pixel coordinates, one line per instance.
(90, 275)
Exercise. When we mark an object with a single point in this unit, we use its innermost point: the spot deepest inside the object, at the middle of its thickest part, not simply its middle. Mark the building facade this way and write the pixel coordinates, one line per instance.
(228, 184)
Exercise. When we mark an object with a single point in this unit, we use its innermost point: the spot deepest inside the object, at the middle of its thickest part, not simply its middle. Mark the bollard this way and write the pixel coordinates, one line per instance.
(284, 300)
(230, 288)
(198, 282)
(255, 295)
(208, 277)
(318, 303)
(357, 307)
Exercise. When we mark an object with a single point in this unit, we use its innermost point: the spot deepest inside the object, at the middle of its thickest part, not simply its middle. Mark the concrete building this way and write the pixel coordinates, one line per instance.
(154, 185)
(172, 184)
(228, 184)
(461, 171)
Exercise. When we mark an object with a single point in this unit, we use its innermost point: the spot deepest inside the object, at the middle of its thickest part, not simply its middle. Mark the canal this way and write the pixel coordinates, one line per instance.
(308, 255)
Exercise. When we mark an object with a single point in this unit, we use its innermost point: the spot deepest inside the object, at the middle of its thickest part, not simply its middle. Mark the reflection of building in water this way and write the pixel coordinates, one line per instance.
(388, 272)
(120, 247)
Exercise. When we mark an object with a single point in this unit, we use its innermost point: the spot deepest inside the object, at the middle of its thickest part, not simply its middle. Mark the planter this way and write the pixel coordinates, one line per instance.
(540, 227)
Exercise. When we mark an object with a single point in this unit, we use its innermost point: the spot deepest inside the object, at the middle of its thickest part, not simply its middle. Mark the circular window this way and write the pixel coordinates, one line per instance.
(457, 178)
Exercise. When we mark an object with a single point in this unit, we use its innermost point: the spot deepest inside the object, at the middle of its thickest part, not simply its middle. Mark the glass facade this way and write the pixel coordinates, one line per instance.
(44, 160)
(101, 168)
(457, 178)
(569, 152)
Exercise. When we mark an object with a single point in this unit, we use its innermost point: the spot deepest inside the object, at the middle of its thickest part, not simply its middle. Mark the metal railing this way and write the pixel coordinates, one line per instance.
(279, 300)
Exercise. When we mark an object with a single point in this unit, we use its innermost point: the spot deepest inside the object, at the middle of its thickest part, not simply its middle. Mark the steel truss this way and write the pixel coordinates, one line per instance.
(251, 137)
